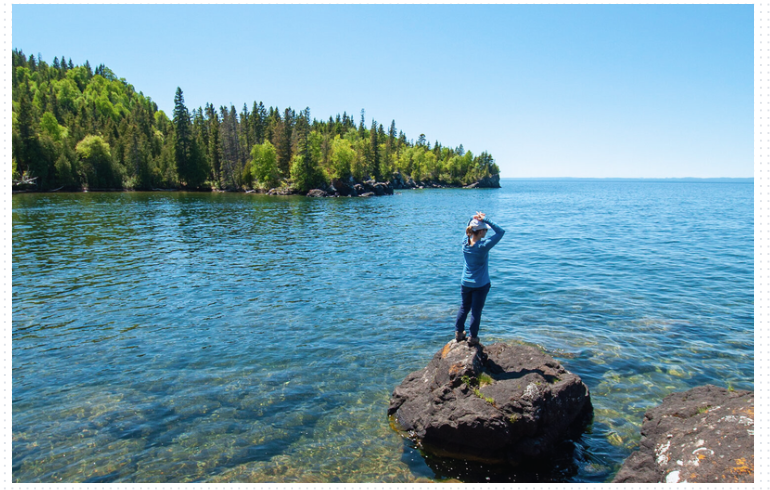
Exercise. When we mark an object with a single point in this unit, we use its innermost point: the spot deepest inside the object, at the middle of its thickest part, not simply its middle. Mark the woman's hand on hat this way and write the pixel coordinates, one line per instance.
(479, 216)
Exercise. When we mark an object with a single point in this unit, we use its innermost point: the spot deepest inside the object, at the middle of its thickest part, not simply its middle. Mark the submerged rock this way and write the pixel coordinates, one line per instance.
(702, 435)
(496, 404)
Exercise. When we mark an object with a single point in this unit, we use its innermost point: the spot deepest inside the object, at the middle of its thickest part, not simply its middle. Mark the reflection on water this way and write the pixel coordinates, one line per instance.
(178, 337)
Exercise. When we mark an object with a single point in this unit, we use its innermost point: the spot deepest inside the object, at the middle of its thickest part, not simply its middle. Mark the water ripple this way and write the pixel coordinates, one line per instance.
(164, 337)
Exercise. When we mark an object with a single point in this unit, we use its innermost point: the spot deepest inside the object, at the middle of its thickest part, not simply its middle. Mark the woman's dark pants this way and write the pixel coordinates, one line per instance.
(473, 302)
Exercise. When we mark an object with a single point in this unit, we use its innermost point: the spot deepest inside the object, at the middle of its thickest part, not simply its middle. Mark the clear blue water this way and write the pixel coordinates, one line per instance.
(164, 337)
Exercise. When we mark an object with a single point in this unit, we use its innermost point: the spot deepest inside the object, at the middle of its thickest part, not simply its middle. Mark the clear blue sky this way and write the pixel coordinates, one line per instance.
(548, 90)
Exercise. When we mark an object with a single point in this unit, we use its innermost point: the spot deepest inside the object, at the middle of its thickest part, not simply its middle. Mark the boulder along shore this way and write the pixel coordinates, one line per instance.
(703, 435)
(513, 405)
(501, 404)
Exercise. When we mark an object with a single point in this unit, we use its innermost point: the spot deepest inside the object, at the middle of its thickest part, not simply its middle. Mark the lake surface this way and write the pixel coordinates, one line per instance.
(178, 337)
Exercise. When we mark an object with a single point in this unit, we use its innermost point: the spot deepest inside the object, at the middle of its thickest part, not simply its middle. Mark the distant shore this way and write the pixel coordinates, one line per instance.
(642, 179)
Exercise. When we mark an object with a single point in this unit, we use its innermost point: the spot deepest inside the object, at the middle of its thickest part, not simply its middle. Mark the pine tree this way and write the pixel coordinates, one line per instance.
(361, 126)
(305, 173)
(234, 144)
(183, 138)
(257, 120)
(375, 153)
(135, 160)
(215, 145)
(229, 157)
(25, 121)
(284, 132)
(263, 123)
(246, 133)
(390, 146)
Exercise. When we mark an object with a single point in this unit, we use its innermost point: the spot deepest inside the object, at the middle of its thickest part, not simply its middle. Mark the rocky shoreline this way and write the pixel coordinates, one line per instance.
(514, 406)
(337, 188)
(370, 188)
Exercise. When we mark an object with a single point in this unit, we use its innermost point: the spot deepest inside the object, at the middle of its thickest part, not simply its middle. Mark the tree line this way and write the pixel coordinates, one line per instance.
(79, 127)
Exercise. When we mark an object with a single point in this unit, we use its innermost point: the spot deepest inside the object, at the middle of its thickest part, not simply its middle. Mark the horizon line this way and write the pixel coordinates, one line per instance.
(629, 178)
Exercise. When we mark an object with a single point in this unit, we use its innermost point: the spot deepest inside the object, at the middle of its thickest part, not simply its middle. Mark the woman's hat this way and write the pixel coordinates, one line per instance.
(477, 225)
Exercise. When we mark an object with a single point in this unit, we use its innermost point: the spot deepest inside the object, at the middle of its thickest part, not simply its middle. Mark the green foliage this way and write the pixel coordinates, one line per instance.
(79, 75)
(97, 163)
(68, 95)
(487, 399)
(475, 383)
(64, 173)
(183, 138)
(50, 126)
(342, 158)
(305, 173)
(264, 165)
(246, 177)
(485, 379)
(58, 110)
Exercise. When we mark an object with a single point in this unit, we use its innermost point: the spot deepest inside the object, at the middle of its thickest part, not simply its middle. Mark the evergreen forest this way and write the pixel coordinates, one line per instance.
(76, 127)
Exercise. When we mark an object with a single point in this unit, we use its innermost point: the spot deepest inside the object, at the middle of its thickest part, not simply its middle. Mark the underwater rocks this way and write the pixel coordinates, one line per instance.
(702, 435)
(496, 404)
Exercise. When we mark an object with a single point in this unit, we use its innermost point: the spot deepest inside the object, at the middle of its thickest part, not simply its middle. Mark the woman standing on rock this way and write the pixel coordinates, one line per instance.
(475, 282)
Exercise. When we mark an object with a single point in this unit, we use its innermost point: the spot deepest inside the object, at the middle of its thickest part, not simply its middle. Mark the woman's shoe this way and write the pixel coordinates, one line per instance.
(473, 340)
(459, 336)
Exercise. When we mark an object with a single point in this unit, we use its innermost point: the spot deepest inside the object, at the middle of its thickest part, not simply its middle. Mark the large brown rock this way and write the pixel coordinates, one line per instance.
(497, 404)
(702, 435)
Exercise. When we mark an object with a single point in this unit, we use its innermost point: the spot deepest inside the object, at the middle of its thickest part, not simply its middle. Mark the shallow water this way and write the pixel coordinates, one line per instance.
(177, 337)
